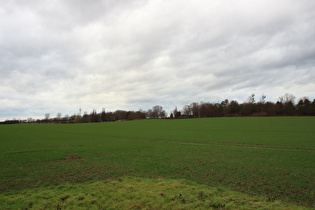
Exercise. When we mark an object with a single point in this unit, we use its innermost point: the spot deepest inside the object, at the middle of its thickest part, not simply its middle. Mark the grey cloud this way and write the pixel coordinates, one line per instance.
(142, 53)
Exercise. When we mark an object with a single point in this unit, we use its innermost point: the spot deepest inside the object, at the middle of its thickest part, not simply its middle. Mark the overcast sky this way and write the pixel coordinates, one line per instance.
(60, 55)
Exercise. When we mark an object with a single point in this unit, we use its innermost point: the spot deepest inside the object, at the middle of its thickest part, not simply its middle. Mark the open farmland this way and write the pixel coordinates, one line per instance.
(271, 157)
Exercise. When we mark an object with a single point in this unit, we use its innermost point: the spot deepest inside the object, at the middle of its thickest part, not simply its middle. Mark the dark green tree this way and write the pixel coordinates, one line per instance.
(103, 115)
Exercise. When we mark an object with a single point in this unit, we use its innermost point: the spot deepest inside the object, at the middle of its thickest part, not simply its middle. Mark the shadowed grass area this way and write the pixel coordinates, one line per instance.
(136, 193)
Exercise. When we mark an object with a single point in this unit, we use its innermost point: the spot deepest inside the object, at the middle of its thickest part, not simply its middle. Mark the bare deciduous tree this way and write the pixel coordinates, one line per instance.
(47, 116)
(156, 112)
(58, 116)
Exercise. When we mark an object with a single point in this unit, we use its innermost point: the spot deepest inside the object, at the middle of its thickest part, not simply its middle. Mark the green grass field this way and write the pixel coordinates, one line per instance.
(272, 158)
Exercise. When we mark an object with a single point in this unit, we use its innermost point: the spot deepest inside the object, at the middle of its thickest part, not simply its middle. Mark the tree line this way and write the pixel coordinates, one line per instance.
(119, 115)
(285, 106)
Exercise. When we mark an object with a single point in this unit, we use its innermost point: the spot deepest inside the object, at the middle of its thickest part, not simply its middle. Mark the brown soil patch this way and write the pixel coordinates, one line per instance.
(69, 157)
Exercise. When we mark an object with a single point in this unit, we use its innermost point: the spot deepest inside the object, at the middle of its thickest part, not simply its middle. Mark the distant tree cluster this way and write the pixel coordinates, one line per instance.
(120, 115)
(285, 106)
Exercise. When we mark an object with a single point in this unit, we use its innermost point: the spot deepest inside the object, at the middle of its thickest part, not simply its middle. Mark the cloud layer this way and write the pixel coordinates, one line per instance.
(57, 56)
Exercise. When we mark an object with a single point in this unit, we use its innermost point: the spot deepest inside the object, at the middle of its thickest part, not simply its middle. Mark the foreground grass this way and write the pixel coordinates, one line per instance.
(135, 193)
(269, 157)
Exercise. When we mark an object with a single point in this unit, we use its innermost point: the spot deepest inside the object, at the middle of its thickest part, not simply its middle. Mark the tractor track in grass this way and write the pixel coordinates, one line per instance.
(250, 146)
(228, 144)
